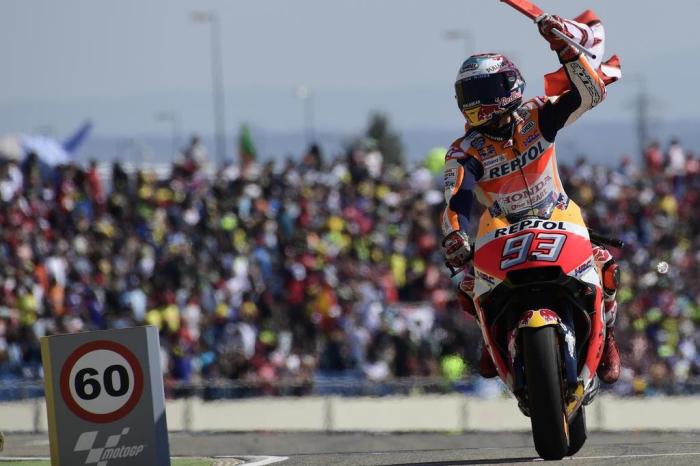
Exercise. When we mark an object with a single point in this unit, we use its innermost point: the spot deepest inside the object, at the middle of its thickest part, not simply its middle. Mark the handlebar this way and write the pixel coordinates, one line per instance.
(605, 240)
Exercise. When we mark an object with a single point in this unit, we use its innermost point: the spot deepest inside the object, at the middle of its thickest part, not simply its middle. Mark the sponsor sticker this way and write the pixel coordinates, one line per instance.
(478, 142)
(530, 197)
(495, 67)
(527, 127)
(468, 67)
(450, 178)
(111, 450)
(581, 269)
(527, 157)
(569, 339)
(587, 82)
(532, 138)
(488, 151)
(489, 162)
(511, 98)
(487, 278)
(528, 224)
(486, 111)
(524, 113)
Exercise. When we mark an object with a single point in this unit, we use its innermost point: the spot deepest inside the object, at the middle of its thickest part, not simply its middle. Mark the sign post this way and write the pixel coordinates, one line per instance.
(104, 398)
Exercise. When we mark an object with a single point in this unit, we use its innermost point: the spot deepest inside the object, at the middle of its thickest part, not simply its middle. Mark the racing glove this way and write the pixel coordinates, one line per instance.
(457, 249)
(547, 25)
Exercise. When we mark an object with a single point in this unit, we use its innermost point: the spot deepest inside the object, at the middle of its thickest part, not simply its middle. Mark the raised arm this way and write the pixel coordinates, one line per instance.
(587, 88)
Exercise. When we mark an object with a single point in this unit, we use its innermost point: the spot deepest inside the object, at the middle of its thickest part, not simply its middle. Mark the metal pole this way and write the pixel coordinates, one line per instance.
(173, 137)
(309, 111)
(642, 116)
(218, 88)
(307, 108)
(177, 131)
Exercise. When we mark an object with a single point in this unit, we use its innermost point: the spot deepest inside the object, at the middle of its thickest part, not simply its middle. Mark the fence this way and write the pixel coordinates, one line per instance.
(321, 384)
(348, 384)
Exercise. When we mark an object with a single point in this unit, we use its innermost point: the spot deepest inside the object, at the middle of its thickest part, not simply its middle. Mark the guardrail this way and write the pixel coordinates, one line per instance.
(348, 384)
(447, 413)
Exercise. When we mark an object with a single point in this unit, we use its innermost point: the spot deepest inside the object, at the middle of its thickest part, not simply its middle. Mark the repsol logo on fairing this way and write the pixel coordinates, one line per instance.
(520, 161)
(526, 224)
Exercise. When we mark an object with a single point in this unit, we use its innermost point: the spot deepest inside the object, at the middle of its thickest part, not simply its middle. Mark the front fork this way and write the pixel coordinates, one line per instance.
(563, 322)
(512, 371)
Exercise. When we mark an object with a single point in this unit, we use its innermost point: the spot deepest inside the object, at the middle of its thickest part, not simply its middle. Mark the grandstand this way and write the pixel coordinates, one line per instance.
(315, 276)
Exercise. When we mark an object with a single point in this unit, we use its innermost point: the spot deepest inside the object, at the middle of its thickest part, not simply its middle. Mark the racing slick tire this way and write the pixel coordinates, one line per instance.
(545, 394)
(577, 432)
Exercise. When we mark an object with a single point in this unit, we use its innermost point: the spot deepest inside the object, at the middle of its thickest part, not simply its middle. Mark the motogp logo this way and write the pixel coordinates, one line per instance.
(110, 451)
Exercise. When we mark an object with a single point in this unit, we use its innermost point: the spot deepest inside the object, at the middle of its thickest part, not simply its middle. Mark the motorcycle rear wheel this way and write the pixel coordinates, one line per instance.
(544, 386)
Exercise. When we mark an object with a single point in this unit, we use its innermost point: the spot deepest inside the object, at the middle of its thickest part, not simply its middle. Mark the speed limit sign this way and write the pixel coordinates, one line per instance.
(104, 398)
(101, 381)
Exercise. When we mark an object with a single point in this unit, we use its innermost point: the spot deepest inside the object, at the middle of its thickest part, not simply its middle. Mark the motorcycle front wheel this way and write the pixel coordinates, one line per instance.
(544, 387)
(577, 432)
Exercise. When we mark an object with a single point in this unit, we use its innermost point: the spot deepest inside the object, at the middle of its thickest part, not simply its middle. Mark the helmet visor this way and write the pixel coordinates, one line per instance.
(484, 90)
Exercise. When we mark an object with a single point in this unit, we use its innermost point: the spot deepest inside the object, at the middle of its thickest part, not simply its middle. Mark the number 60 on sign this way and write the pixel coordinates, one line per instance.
(101, 381)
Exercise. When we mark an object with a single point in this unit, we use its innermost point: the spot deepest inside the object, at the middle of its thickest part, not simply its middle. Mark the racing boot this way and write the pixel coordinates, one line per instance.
(609, 367)
(486, 367)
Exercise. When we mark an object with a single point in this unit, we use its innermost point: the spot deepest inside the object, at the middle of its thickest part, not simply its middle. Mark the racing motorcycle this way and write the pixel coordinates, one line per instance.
(539, 303)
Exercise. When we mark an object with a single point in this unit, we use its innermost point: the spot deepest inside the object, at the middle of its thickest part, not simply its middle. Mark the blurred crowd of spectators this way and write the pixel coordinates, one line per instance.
(260, 273)
(651, 206)
(278, 275)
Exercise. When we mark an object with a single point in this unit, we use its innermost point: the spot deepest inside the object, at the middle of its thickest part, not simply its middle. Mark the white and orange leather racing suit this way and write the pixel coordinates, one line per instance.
(479, 165)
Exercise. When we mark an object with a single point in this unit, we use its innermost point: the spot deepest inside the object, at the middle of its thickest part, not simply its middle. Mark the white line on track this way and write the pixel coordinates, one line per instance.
(254, 460)
(649, 455)
(38, 442)
(265, 460)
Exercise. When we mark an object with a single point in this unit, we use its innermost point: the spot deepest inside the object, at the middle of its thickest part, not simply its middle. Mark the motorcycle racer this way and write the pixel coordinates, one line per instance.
(508, 139)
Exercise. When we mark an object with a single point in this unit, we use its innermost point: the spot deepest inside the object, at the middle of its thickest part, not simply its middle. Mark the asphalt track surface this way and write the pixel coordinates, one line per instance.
(427, 449)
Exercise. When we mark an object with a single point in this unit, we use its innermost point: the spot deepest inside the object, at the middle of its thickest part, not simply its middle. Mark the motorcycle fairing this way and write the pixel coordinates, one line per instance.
(495, 232)
(566, 225)
(537, 318)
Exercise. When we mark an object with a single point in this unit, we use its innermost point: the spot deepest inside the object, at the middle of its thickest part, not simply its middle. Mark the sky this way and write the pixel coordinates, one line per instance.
(120, 63)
